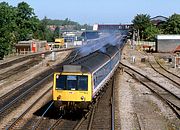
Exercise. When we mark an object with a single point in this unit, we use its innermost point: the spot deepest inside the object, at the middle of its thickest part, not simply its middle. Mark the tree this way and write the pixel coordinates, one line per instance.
(26, 21)
(7, 27)
(141, 22)
(172, 26)
(20, 23)
(151, 32)
(42, 28)
(57, 32)
(87, 27)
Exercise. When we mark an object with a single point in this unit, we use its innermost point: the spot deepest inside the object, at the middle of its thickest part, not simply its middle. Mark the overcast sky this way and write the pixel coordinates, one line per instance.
(100, 11)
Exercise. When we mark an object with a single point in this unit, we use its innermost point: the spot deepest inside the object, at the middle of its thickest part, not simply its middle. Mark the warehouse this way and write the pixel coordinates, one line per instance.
(167, 43)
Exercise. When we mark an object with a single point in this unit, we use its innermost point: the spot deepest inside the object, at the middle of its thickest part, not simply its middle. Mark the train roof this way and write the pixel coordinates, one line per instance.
(93, 61)
(110, 50)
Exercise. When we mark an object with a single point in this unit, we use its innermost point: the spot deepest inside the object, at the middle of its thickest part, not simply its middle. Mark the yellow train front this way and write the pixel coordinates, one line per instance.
(72, 88)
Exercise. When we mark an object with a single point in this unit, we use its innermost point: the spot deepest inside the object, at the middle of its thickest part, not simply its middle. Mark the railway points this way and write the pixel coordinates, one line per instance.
(143, 105)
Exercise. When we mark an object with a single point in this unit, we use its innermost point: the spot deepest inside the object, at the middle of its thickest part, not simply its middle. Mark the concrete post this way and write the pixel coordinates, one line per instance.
(53, 54)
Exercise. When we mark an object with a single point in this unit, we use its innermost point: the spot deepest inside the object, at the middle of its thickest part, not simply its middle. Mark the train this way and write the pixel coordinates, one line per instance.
(77, 84)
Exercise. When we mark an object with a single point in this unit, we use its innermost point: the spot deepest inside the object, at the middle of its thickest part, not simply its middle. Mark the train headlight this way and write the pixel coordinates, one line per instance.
(59, 97)
(83, 98)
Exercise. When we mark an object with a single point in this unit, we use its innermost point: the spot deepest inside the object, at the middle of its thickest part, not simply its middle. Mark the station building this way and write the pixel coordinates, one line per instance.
(167, 43)
(31, 46)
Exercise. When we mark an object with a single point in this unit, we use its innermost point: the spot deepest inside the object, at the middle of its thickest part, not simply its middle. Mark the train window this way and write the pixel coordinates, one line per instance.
(60, 82)
(83, 83)
(71, 82)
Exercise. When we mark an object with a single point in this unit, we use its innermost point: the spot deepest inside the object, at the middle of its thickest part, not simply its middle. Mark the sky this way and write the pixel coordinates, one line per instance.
(100, 11)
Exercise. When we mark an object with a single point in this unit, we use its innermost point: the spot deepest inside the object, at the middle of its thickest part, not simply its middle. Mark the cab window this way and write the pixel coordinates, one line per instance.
(72, 82)
(83, 83)
(60, 81)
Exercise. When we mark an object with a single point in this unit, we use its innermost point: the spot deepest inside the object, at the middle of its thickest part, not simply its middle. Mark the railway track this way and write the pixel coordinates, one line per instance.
(101, 116)
(175, 79)
(12, 73)
(20, 94)
(168, 97)
(38, 122)
(56, 123)
(87, 120)
(12, 62)
(12, 103)
(16, 94)
(61, 122)
(21, 68)
(15, 122)
(13, 96)
(11, 100)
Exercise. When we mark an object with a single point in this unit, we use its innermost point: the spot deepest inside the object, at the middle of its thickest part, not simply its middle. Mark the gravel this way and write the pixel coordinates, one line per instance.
(136, 107)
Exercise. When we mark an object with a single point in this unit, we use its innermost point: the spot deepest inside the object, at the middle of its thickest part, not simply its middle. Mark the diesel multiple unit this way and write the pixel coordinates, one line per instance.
(78, 83)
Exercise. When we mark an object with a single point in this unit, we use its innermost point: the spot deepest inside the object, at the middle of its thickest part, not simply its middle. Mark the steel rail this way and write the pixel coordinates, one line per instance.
(18, 69)
(92, 116)
(27, 110)
(23, 94)
(53, 126)
(151, 81)
(19, 87)
(164, 74)
(166, 69)
(39, 120)
(112, 107)
(81, 121)
(9, 63)
(156, 93)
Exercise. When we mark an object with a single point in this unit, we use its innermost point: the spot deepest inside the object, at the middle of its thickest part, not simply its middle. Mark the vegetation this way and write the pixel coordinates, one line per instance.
(20, 23)
(7, 28)
(141, 22)
(173, 24)
(150, 32)
(61, 22)
(66, 22)
(26, 22)
(147, 31)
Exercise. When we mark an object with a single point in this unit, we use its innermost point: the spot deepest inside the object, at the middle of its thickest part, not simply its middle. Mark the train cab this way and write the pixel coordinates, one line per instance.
(72, 85)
